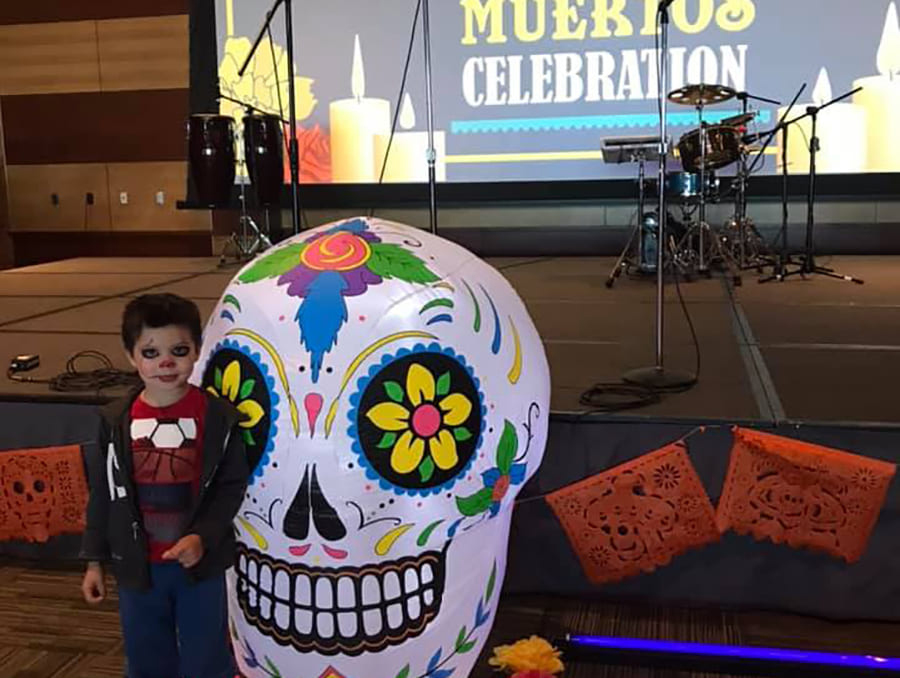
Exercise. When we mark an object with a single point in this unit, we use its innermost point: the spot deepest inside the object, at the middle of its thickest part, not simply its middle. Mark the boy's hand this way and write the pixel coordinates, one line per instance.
(188, 550)
(93, 588)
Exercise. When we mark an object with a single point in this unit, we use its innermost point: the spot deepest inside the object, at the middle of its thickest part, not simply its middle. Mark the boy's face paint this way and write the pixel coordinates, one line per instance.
(164, 358)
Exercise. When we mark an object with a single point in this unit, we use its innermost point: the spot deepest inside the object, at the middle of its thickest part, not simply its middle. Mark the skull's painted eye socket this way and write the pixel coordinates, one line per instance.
(18, 487)
(38, 486)
(239, 376)
(417, 420)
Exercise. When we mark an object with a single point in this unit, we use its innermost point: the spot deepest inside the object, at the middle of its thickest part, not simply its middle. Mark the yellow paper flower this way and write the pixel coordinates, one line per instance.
(424, 412)
(531, 654)
(229, 385)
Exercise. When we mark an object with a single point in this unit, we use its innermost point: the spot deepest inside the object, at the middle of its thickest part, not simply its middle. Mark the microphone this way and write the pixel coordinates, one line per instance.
(664, 5)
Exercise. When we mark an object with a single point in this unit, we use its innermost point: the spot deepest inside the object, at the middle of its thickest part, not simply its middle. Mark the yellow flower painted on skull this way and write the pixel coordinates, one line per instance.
(229, 385)
(417, 420)
(424, 414)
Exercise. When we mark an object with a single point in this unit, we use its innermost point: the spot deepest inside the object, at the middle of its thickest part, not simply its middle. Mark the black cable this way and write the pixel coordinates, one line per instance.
(75, 379)
(621, 396)
(409, 51)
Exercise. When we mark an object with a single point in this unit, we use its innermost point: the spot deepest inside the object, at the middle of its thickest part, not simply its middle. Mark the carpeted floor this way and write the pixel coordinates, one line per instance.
(46, 631)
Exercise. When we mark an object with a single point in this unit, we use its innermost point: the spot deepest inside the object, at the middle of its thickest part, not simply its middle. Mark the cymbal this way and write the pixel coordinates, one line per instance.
(691, 95)
(738, 120)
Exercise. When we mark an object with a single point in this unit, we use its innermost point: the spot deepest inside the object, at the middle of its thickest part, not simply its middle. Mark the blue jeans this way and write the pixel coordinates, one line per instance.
(177, 628)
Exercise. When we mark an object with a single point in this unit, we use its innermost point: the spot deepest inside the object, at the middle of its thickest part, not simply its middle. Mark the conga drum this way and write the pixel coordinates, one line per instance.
(211, 157)
(263, 151)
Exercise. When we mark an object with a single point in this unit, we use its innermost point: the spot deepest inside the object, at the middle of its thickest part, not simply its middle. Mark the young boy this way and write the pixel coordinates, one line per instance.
(167, 481)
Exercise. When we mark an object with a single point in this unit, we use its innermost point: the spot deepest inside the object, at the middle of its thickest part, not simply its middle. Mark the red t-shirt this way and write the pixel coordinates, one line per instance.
(167, 450)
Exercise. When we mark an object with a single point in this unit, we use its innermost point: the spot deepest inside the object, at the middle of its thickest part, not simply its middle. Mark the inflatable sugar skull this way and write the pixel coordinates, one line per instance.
(396, 396)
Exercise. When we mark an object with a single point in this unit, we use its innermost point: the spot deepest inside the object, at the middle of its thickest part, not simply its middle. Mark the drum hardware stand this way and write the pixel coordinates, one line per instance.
(251, 239)
(293, 151)
(742, 222)
(621, 151)
(808, 265)
(658, 376)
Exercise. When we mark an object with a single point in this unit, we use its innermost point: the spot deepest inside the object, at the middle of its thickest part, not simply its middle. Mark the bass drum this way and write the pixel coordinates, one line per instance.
(211, 157)
(685, 186)
(723, 144)
(263, 149)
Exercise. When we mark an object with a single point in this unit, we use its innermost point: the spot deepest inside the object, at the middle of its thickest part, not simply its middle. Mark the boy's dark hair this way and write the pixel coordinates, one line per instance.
(160, 310)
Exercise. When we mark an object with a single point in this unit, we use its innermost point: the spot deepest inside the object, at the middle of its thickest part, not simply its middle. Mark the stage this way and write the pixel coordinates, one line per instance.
(814, 359)
(817, 350)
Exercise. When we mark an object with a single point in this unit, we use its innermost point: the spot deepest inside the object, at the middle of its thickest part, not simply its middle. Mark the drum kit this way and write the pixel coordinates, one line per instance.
(694, 246)
(217, 151)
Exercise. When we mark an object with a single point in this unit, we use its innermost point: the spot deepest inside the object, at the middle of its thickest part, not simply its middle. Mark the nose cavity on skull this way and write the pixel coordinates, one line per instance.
(311, 508)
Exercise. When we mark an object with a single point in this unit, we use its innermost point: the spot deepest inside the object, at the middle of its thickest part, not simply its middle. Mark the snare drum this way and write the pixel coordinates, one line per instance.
(211, 157)
(723, 144)
(685, 186)
(263, 149)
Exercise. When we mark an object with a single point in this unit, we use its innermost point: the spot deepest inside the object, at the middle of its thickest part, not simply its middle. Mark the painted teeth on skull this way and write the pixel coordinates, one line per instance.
(330, 605)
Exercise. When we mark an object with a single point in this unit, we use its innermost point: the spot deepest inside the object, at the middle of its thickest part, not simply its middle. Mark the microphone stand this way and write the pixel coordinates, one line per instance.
(783, 258)
(249, 107)
(658, 377)
(293, 151)
(809, 267)
(429, 104)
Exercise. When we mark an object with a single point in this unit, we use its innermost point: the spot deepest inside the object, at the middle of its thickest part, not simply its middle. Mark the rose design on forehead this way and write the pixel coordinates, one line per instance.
(341, 251)
(343, 261)
(417, 420)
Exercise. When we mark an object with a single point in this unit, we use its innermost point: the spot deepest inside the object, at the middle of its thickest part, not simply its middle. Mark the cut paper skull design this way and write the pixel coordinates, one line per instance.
(396, 395)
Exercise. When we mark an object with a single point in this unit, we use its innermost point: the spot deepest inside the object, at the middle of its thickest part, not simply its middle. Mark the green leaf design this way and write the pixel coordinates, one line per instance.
(275, 673)
(437, 303)
(277, 263)
(404, 672)
(443, 384)
(393, 261)
(248, 437)
(247, 388)
(427, 532)
(476, 503)
(492, 581)
(462, 434)
(461, 638)
(466, 647)
(387, 440)
(394, 391)
(426, 469)
(231, 299)
(218, 379)
(506, 449)
(476, 325)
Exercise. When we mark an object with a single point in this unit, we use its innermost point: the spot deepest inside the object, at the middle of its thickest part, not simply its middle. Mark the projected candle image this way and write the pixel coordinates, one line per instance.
(841, 129)
(407, 158)
(355, 123)
(880, 99)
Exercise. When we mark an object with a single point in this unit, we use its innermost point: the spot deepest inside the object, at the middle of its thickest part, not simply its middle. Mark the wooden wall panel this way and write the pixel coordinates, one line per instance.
(145, 53)
(141, 181)
(37, 248)
(52, 57)
(96, 127)
(34, 11)
(31, 207)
